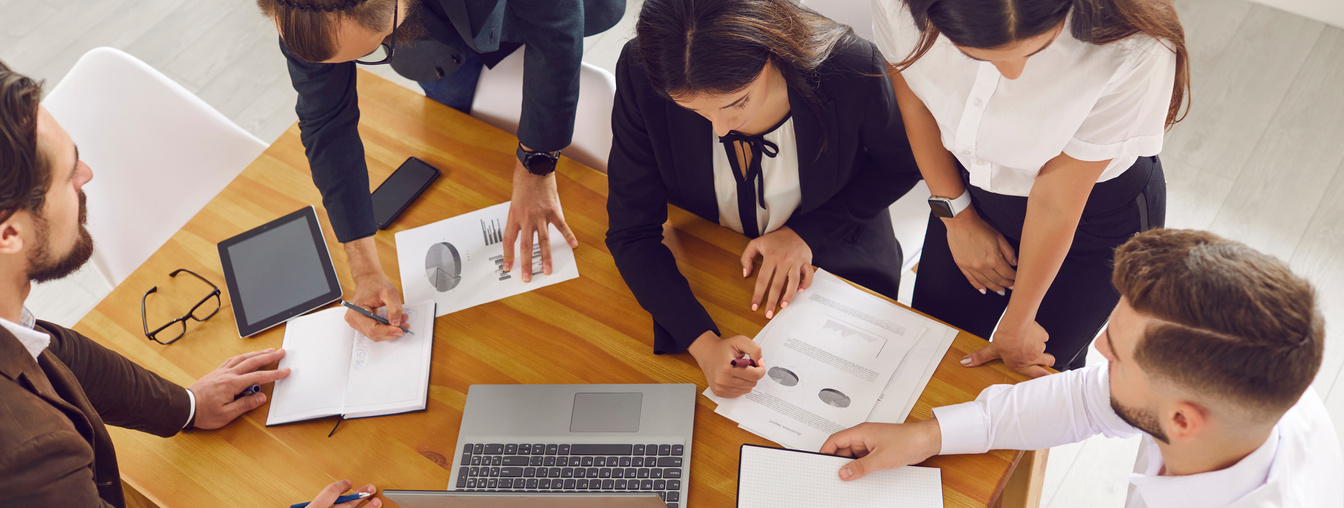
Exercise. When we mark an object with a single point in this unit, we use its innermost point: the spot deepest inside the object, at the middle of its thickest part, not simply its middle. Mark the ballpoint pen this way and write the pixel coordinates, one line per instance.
(365, 312)
(339, 500)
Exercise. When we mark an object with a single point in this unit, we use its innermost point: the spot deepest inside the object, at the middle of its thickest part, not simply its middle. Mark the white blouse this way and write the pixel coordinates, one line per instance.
(1090, 102)
(783, 193)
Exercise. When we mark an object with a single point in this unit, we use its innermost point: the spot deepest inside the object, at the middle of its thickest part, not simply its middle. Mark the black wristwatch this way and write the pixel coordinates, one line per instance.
(538, 163)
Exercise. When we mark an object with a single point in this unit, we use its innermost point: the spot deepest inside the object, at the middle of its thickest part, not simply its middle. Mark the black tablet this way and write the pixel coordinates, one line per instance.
(277, 271)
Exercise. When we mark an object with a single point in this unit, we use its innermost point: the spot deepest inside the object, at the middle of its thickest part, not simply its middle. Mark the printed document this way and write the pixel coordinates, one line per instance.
(828, 356)
(459, 262)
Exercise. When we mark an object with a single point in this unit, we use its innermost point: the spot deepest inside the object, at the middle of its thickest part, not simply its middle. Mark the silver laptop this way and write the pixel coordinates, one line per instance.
(617, 446)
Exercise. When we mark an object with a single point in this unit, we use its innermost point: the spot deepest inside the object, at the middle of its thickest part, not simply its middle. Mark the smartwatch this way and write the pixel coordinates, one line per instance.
(948, 208)
(538, 163)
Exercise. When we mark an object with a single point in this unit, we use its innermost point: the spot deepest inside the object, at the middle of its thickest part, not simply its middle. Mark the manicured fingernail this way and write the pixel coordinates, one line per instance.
(800, 290)
(261, 398)
(754, 307)
(745, 272)
(966, 360)
(982, 291)
(784, 304)
(1001, 293)
(769, 314)
(1010, 287)
(845, 473)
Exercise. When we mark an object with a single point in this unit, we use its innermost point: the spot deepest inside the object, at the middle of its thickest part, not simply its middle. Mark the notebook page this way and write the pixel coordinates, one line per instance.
(317, 350)
(778, 478)
(392, 376)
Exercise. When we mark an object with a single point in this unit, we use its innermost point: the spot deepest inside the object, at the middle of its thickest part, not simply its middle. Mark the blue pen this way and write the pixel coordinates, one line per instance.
(251, 390)
(339, 500)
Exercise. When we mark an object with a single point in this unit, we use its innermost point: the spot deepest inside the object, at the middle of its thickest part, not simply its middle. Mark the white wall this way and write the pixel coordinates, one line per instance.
(1328, 11)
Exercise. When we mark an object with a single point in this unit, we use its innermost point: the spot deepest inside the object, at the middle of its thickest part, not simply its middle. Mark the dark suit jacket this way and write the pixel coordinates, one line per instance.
(662, 154)
(551, 31)
(54, 449)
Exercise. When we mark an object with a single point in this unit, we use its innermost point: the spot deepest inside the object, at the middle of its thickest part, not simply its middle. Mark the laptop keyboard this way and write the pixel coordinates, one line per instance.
(524, 467)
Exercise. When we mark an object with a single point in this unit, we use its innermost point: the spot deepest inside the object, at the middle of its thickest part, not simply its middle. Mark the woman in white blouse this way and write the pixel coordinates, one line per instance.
(1036, 124)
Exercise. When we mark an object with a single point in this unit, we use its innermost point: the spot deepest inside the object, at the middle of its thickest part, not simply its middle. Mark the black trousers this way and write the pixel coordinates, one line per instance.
(871, 257)
(1081, 298)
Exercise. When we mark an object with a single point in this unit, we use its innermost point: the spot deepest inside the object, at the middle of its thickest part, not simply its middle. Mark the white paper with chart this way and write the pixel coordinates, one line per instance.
(829, 356)
(335, 370)
(774, 478)
(459, 262)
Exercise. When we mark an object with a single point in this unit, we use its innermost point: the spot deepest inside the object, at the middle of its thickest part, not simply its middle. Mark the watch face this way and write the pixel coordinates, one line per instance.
(540, 164)
(941, 208)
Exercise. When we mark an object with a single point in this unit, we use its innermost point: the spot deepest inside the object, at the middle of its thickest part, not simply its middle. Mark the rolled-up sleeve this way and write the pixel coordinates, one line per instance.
(1131, 114)
(1041, 413)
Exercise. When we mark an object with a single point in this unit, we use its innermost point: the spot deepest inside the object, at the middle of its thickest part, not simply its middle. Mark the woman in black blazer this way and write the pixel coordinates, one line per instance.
(769, 119)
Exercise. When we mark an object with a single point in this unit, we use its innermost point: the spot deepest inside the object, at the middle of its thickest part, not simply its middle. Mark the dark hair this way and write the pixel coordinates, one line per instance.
(24, 176)
(720, 46)
(992, 23)
(1232, 322)
(309, 27)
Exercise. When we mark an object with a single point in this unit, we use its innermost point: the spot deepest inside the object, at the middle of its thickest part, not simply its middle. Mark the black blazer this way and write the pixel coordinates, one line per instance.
(661, 154)
(551, 33)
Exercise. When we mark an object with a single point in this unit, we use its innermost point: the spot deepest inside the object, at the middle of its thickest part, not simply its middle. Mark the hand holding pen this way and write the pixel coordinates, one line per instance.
(331, 497)
(366, 313)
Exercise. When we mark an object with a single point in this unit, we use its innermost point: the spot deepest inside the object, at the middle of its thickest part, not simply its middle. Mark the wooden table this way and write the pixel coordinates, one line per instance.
(552, 335)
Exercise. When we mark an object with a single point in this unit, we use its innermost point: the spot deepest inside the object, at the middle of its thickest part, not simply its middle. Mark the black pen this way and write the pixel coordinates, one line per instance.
(365, 312)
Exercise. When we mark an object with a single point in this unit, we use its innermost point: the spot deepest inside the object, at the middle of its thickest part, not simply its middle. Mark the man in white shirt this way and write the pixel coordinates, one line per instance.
(58, 388)
(1210, 352)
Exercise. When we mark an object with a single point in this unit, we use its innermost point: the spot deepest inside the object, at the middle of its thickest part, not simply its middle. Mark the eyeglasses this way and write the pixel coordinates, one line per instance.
(383, 55)
(178, 327)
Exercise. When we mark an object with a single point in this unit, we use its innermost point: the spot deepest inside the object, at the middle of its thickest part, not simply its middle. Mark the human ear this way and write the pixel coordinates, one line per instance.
(11, 235)
(1185, 421)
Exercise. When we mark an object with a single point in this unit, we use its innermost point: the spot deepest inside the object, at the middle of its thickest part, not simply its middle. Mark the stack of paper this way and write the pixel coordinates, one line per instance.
(837, 357)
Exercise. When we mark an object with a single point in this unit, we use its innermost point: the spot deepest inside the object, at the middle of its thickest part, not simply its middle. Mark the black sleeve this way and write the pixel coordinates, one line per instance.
(636, 210)
(884, 170)
(552, 32)
(328, 110)
(124, 394)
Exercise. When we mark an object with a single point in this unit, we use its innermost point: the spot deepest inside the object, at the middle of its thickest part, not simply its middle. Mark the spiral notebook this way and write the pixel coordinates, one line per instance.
(779, 478)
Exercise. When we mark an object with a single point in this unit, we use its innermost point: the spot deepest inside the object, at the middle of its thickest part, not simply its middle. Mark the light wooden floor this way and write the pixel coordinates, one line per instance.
(1260, 158)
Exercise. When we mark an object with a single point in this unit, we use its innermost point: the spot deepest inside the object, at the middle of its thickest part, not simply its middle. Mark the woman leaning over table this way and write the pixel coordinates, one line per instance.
(1037, 125)
(767, 119)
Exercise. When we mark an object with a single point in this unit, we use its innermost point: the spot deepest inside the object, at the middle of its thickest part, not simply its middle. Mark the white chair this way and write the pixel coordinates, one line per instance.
(855, 13)
(158, 154)
(499, 102)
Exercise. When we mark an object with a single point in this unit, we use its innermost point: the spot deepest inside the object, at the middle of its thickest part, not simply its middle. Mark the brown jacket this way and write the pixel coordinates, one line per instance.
(54, 449)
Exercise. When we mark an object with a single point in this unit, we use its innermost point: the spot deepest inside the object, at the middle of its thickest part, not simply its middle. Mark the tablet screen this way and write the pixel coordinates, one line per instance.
(277, 271)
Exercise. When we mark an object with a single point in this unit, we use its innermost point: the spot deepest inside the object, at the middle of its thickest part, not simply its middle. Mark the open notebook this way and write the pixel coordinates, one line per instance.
(338, 371)
(779, 478)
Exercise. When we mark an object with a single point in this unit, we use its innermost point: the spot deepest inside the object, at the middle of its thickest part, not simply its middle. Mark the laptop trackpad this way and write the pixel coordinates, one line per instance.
(606, 412)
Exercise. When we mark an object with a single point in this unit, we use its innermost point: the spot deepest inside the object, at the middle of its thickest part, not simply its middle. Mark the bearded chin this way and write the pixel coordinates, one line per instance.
(42, 268)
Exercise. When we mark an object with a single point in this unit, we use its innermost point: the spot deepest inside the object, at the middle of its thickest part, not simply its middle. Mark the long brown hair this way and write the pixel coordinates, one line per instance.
(990, 24)
(24, 176)
(688, 47)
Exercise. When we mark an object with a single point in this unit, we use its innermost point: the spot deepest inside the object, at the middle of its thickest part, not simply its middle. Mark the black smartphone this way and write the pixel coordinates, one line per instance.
(399, 190)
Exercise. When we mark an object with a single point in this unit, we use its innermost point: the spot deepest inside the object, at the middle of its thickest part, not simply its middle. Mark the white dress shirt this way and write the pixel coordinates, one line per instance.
(1298, 465)
(35, 341)
(783, 193)
(1091, 102)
